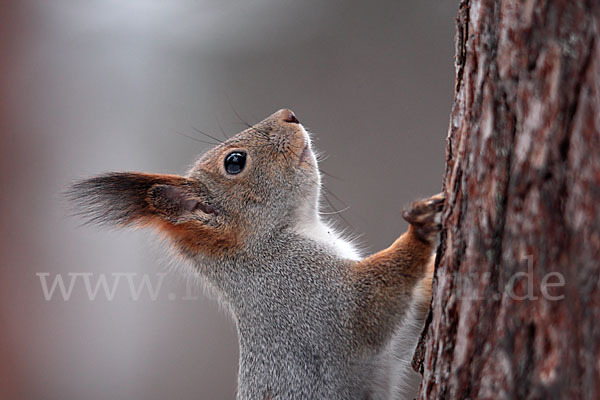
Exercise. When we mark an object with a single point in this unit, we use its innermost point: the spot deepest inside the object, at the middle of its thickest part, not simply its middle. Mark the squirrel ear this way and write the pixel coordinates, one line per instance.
(177, 206)
(176, 201)
(130, 198)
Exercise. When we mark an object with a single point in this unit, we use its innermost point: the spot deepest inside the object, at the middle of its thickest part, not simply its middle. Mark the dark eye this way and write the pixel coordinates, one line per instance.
(235, 162)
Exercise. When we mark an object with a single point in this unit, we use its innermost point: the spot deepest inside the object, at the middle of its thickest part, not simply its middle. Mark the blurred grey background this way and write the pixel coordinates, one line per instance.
(90, 86)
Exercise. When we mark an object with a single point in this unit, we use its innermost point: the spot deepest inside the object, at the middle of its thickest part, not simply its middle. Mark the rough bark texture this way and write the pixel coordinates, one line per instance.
(523, 196)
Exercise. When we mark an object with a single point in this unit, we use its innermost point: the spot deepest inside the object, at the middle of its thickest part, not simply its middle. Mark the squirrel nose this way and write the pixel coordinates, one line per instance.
(288, 116)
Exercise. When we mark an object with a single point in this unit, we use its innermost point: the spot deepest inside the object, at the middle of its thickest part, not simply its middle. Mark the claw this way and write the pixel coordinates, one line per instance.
(423, 216)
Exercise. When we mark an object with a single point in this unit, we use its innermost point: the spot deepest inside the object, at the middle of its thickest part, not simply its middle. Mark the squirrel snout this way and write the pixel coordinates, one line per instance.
(286, 134)
(287, 115)
(291, 117)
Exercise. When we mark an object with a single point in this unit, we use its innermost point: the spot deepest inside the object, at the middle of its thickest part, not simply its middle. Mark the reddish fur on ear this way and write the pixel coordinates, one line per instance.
(193, 237)
(176, 206)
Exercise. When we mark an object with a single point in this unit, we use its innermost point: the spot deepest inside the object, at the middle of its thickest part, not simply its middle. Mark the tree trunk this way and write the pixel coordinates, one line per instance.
(516, 297)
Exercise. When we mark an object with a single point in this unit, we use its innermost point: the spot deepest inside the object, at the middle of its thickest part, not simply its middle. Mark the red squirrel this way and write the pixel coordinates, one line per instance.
(315, 320)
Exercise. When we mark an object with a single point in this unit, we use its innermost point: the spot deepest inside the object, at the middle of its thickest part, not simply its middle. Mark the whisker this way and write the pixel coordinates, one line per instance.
(337, 197)
(196, 139)
(329, 175)
(207, 135)
(339, 215)
(334, 212)
(222, 130)
(236, 113)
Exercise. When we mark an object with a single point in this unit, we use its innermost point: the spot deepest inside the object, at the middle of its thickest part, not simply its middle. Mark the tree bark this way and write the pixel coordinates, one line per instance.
(516, 297)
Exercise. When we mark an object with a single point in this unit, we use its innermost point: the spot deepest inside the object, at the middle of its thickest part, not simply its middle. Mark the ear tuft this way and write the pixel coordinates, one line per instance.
(113, 198)
(167, 203)
(124, 198)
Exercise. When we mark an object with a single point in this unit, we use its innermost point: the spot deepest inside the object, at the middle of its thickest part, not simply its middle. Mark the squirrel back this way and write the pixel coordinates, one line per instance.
(314, 319)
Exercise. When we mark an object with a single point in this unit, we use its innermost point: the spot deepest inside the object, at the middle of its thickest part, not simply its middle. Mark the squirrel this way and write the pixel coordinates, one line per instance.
(315, 320)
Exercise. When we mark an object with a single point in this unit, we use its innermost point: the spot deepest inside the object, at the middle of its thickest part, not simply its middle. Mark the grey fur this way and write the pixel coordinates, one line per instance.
(293, 309)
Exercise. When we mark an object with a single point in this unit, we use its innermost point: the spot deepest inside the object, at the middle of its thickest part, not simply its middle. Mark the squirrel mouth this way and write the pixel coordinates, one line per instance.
(304, 154)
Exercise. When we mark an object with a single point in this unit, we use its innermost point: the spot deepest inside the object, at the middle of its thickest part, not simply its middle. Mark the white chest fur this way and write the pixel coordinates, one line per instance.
(312, 227)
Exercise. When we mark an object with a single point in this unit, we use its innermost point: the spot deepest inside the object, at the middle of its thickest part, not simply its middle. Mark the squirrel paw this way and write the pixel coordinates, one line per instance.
(425, 216)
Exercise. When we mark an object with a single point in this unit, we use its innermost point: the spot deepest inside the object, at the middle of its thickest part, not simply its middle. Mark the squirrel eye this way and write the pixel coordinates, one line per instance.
(235, 162)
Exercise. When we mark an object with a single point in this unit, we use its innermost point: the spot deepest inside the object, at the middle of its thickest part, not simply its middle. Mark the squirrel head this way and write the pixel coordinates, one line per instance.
(260, 180)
